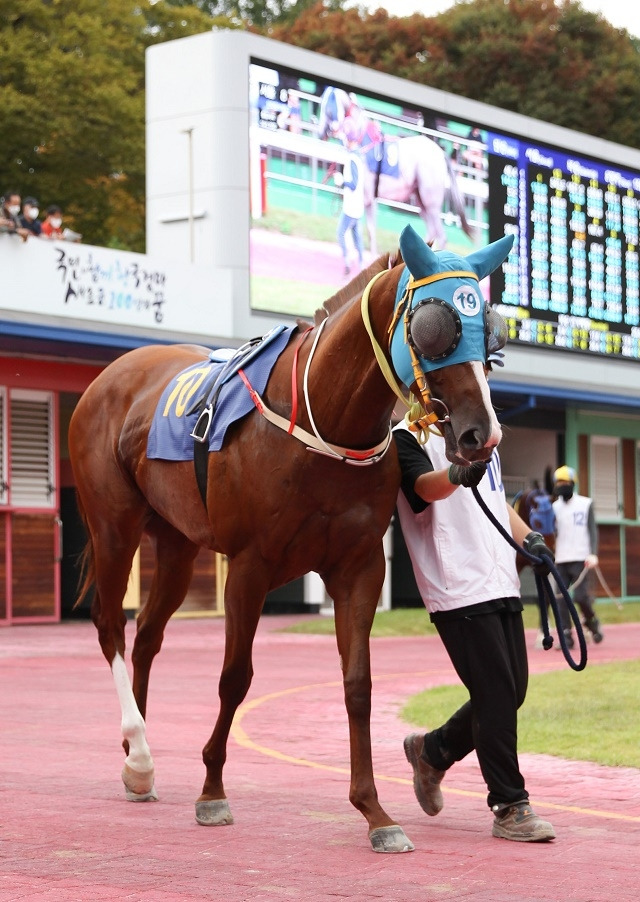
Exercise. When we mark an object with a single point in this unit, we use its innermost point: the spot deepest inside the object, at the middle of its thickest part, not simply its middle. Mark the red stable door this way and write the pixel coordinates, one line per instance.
(30, 526)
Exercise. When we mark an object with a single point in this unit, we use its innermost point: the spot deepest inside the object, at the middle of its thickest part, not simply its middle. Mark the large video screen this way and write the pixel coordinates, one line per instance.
(572, 280)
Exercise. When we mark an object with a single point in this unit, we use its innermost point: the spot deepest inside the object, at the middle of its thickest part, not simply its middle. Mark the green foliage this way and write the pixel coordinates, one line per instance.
(72, 102)
(72, 80)
(259, 13)
(565, 713)
(555, 62)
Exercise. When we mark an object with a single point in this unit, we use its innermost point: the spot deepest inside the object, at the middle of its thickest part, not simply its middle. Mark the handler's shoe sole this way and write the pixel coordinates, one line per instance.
(426, 779)
(520, 823)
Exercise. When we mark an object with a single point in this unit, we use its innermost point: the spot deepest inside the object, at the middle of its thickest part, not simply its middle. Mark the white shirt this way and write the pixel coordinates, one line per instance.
(573, 541)
(459, 558)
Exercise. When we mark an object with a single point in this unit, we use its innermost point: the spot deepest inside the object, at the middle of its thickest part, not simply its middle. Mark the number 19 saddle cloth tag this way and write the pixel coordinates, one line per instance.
(175, 417)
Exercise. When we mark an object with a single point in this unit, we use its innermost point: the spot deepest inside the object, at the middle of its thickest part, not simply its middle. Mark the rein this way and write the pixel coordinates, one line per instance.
(416, 423)
(313, 442)
(543, 587)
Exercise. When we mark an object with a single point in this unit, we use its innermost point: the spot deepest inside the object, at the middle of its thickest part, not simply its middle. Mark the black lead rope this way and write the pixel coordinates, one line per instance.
(543, 587)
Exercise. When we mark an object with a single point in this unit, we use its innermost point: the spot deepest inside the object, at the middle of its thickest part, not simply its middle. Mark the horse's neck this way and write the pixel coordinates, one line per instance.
(350, 398)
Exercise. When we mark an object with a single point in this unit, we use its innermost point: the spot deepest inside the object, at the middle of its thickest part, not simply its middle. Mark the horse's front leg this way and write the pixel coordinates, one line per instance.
(244, 596)
(355, 602)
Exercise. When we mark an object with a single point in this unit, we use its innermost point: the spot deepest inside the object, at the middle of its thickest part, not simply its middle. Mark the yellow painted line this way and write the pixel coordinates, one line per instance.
(243, 739)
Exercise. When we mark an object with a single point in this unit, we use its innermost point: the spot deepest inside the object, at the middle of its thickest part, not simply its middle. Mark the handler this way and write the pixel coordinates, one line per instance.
(576, 550)
(466, 574)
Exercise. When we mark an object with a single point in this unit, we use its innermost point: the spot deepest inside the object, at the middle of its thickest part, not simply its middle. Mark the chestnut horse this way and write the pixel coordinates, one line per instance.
(278, 504)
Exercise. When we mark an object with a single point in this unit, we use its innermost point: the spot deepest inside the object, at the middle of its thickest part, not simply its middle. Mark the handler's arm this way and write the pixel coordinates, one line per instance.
(434, 486)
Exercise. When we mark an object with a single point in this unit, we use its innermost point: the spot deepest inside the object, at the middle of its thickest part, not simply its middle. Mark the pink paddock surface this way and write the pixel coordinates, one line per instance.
(67, 834)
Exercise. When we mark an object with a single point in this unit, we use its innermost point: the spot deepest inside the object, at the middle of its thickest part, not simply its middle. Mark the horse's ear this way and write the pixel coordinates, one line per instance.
(490, 257)
(418, 256)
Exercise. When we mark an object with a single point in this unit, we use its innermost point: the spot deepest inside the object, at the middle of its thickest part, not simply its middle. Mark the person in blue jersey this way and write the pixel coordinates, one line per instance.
(576, 550)
(466, 574)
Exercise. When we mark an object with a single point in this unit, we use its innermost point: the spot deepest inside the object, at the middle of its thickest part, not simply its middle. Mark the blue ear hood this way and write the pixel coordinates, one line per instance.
(454, 281)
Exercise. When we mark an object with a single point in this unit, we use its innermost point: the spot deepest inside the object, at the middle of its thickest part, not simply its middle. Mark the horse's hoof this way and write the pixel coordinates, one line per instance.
(139, 785)
(151, 796)
(213, 813)
(390, 839)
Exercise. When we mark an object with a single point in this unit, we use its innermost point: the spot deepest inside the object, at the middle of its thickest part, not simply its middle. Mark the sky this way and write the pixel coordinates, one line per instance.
(620, 13)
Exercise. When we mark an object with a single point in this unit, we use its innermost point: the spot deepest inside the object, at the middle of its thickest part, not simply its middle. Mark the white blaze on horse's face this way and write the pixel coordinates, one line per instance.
(495, 437)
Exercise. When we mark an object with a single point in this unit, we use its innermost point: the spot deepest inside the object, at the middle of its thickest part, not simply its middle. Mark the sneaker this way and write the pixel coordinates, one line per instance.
(426, 779)
(593, 626)
(568, 638)
(520, 823)
(539, 640)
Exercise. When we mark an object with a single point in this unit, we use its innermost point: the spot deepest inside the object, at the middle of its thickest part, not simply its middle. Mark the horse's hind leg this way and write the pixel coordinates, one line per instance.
(174, 566)
(114, 513)
(114, 547)
(113, 550)
(245, 591)
(174, 559)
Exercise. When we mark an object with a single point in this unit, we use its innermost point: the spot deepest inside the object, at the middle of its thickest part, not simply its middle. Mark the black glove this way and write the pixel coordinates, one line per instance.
(468, 476)
(535, 544)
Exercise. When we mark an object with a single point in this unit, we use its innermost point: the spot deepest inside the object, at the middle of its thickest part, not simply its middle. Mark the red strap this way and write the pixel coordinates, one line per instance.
(251, 390)
(294, 382)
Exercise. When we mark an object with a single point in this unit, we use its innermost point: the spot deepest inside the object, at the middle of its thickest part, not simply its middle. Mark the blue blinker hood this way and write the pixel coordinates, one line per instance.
(453, 281)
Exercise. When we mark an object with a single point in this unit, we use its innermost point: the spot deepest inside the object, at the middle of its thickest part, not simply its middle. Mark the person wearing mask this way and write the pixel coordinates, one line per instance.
(467, 578)
(10, 215)
(52, 226)
(576, 550)
(29, 219)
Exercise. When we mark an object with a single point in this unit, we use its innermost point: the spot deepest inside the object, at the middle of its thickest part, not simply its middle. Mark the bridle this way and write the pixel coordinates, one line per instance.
(421, 416)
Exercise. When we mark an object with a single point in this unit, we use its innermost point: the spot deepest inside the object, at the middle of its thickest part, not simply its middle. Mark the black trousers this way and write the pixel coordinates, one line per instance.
(582, 596)
(489, 654)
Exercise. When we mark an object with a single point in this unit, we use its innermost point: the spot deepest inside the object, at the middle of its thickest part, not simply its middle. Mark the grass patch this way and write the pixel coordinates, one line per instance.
(586, 716)
(300, 224)
(415, 621)
(290, 297)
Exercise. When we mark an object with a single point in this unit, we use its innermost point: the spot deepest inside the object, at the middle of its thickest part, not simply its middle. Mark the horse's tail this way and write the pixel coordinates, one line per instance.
(457, 200)
(86, 562)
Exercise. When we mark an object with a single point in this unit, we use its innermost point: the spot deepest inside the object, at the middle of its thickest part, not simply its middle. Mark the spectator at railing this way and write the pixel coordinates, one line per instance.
(52, 226)
(29, 219)
(10, 215)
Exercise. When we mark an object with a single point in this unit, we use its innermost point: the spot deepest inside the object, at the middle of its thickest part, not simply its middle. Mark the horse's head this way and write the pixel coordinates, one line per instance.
(444, 336)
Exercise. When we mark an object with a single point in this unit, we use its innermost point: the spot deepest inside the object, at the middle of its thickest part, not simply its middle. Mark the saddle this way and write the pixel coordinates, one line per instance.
(206, 400)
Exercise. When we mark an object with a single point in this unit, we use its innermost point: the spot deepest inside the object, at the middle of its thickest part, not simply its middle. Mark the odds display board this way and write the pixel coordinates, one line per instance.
(572, 281)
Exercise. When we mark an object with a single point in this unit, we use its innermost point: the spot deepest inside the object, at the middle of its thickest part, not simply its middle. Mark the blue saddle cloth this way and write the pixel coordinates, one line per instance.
(174, 420)
(388, 165)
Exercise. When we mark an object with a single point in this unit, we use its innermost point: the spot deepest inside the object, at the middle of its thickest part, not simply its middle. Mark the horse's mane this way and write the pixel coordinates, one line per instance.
(356, 286)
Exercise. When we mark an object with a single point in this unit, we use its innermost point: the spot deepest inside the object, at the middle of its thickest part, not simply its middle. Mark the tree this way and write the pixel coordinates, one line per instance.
(72, 80)
(256, 13)
(555, 62)
(72, 107)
